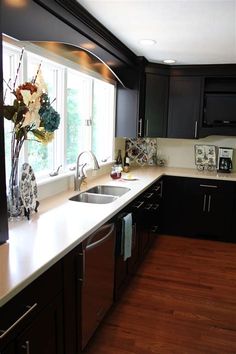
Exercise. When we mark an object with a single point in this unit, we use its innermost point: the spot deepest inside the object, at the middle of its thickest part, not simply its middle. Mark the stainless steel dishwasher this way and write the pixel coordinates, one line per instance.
(97, 279)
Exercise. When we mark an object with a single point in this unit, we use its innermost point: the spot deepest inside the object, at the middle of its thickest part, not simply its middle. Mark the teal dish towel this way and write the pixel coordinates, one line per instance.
(127, 235)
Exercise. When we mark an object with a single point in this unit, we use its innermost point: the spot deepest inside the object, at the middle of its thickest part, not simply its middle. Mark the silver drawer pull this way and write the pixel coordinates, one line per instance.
(9, 329)
(155, 206)
(156, 189)
(155, 229)
(209, 204)
(138, 205)
(204, 203)
(26, 346)
(148, 195)
(208, 186)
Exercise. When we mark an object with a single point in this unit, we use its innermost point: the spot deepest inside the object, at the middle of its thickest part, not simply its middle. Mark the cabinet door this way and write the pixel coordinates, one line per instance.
(210, 212)
(45, 333)
(156, 100)
(185, 103)
(133, 261)
(175, 206)
(10, 349)
(127, 112)
(218, 216)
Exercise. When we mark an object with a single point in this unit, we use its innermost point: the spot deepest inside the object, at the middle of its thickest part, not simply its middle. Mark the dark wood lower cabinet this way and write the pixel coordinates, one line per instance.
(57, 313)
(146, 218)
(45, 334)
(32, 322)
(199, 207)
(10, 349)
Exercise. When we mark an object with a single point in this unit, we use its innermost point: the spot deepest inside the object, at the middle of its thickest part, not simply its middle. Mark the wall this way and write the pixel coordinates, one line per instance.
(180, 152)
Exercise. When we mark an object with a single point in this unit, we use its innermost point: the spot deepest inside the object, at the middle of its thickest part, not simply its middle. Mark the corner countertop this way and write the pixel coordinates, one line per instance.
(60, 225)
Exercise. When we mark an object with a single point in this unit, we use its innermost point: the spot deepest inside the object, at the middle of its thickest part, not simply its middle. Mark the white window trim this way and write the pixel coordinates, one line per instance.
(46, 180)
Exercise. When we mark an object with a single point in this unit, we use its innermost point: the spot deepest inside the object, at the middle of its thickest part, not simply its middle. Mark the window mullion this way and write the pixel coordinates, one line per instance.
(91, 97)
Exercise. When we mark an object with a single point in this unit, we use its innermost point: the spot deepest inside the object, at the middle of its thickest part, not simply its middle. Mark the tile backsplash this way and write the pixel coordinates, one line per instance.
(175, 152)
(142, 151)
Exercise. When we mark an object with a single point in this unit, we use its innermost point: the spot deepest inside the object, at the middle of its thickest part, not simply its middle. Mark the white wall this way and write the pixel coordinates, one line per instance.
(180, 152)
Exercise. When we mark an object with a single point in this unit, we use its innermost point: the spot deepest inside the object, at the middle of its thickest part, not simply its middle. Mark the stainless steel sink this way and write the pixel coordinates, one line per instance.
(93, 198)
(108, 190)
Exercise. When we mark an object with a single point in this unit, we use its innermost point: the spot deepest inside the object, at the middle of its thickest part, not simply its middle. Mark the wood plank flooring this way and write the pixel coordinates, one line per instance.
(181, 301)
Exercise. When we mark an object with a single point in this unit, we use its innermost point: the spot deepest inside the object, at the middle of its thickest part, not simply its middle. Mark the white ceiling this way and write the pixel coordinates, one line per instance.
(189, 31)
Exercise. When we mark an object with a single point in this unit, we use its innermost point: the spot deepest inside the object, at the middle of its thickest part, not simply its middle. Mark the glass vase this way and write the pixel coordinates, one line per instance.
(14, 199)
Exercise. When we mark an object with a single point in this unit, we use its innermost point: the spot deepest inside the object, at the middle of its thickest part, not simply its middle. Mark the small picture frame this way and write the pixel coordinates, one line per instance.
(205, 157)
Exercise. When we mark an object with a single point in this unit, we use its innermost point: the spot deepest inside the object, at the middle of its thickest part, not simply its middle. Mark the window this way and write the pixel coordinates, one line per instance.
(85, 104)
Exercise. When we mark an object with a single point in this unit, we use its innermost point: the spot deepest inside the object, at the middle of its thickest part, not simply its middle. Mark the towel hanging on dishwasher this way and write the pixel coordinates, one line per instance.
(127, 235)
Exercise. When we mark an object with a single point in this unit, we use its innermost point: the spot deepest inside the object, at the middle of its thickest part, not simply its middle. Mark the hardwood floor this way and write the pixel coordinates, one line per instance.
(181, 301)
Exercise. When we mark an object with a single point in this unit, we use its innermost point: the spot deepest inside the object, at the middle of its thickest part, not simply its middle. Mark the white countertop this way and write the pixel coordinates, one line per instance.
(35, 245)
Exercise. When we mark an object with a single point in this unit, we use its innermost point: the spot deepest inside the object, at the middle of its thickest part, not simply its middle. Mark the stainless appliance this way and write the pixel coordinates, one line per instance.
(225, 157)
(97, 279)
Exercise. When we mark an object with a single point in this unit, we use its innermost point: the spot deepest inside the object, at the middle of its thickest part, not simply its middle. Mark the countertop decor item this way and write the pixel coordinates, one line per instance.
(205, 157)
(33, 118)
(142, 151)
(28, 190)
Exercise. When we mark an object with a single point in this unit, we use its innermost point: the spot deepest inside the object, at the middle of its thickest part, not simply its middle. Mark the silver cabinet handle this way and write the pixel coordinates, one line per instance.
(156, 188)
(148, 207)
(209, 204)
(155, 229)
(26, 346)
(208, 186)
(9, 329)
(148, 195)
(138, 205)
(195, 129)
(82, 254)
(204, 203)
(140, 127)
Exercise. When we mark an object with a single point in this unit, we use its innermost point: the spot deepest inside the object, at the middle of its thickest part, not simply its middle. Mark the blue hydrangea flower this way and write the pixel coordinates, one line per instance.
(50, 118)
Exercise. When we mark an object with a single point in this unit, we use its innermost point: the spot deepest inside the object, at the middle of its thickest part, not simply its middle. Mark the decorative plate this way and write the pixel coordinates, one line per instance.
(205, 157)
(28, 188)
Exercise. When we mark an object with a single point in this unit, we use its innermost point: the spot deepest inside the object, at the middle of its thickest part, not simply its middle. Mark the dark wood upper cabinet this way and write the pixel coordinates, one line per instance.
(185, 101)
(156, 101)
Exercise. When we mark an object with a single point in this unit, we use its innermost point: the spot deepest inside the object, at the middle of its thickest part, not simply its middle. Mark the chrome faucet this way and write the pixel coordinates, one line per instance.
(79, 173)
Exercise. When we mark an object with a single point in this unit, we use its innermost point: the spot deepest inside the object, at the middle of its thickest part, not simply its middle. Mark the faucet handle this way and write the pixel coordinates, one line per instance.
(83, 173)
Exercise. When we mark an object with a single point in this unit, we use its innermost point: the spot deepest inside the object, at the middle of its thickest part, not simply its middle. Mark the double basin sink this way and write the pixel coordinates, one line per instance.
(100, 194)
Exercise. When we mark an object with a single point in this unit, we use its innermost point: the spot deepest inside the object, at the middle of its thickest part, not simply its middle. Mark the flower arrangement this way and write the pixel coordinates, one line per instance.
(32, 111)
(33, 117)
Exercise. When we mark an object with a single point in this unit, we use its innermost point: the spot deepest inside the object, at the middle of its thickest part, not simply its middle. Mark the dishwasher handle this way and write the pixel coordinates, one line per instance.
(102, 239)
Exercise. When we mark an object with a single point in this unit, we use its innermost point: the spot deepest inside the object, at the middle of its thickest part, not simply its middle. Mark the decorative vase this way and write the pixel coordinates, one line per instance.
(14, 199)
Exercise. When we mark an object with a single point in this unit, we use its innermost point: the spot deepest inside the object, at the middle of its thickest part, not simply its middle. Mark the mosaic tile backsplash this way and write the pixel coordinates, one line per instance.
(142, 151)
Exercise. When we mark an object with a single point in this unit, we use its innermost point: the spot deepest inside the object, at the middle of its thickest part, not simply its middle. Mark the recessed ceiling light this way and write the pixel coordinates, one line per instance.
(169, 61)
(147, 41)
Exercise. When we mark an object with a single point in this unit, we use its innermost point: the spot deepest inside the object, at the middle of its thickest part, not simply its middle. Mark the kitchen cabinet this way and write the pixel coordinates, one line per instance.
(9, 350)
(44, 335)
(219, 106)
(127, 124)
(211, 202)
(185, 102)
(32, 322)
(156, 105)
(199, 207)
(146, 217)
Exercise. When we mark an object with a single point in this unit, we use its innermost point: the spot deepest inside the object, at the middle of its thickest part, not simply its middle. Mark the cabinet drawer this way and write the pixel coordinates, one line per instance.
(23, 307)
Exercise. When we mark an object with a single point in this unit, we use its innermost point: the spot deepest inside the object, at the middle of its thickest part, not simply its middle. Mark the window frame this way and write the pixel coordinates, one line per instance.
(59, 154)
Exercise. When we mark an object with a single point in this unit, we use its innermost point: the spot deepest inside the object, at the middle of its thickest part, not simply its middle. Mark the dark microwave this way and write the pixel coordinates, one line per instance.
(219, 109)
